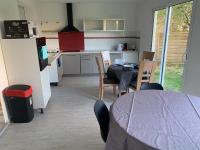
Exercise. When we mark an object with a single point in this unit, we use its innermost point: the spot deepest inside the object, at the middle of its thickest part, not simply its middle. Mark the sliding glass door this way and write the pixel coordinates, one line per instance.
(170, 38)
(158, 34)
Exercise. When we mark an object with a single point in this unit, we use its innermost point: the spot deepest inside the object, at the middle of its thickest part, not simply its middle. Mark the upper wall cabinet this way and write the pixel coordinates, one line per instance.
(93, 25)
(104, 25)
(114, 25)
(52, 26)
(52, 16)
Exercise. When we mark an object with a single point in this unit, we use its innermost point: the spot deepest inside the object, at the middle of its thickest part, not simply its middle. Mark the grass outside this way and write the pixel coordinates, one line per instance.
(173, 77)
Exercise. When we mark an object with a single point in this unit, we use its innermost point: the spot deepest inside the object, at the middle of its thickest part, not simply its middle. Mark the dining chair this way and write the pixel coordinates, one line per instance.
(147, 55)
(145, 74)
(103, 118)
(103, 80)
(151, 86)
(106, 60)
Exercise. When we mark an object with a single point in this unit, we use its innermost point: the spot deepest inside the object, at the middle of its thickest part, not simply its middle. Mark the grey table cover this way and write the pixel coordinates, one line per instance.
(124, 75)
(153, 119)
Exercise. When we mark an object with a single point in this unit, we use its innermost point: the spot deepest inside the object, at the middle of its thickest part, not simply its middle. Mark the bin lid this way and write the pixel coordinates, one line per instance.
(18, 90)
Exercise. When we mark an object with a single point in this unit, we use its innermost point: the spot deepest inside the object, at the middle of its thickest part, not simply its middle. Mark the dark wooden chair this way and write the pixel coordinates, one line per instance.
(102, 115)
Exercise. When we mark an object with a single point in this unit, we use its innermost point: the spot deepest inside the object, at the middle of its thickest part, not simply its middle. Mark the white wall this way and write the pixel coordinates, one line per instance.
(3, 83)
(127, 11)
(8, 10)
(145, 27)
(30, 9)
(192, 72)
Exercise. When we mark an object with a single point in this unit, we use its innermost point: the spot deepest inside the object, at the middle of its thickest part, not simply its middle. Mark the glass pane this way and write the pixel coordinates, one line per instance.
(177, 44)
(158, 36)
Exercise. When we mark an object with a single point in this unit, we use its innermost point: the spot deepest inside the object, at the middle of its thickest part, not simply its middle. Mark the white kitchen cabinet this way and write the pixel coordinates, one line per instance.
(53, 69)
(71, 64)
(52, 16)
(22, 67)
(104, 25)
(60, 68)
(88, 64)
(93, 25)
(52, 26)
(114, 25)
(130, 56)
(46, 90)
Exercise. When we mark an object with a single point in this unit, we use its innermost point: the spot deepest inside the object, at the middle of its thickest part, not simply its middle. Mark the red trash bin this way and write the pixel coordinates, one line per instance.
(19, 102)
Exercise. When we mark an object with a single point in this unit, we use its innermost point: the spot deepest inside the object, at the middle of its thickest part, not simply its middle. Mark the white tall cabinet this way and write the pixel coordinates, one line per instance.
(22, 66)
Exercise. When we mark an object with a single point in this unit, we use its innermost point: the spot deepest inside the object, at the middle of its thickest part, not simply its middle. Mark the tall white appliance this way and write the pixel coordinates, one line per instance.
(26, 64)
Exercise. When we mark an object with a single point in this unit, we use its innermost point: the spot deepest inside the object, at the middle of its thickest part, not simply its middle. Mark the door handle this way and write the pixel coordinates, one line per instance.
(185, 57)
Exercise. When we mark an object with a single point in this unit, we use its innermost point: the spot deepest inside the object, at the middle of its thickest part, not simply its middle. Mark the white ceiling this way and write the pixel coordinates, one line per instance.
(74, 1)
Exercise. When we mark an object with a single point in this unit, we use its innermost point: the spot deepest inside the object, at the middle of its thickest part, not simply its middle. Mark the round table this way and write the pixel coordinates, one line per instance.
(155, 120)
(125, 75)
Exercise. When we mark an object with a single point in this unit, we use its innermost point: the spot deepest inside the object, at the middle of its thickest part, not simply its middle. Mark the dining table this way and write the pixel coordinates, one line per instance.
(154, 119)
(123, 73)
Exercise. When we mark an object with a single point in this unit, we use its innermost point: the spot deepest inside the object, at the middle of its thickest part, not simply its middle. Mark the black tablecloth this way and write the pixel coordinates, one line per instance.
(125, 75)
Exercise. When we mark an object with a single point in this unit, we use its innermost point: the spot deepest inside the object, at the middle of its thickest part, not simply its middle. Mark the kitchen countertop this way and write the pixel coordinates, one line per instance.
(53, 55)
(90, 52)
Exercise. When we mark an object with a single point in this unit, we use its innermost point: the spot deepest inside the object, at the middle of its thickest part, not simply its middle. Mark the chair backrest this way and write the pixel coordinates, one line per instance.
(106, 60)
(145, 73)
(100, 68)
(102, 115)
(151, 86)
(147, 55)
(99, 65)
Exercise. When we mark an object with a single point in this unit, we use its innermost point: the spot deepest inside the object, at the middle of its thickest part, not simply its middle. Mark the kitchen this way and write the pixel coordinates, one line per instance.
(63, 62)
(100, 32)
(80, 59)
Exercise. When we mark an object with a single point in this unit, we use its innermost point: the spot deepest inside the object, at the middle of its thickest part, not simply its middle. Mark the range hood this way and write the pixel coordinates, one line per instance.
(70, 27)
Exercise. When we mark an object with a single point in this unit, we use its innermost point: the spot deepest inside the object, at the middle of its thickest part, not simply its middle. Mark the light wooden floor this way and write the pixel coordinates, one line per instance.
(68, 123)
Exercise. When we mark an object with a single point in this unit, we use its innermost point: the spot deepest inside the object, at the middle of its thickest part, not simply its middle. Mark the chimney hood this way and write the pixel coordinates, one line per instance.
(70, 27)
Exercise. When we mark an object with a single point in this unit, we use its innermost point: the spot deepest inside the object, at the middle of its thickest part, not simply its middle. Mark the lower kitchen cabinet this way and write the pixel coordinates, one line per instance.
(53, 69)
(85, 63)
(88, 64)
(71, 64)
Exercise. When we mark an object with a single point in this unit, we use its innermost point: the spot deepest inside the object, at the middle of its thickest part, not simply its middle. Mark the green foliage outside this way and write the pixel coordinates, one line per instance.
(173, 77)
(181, 17)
